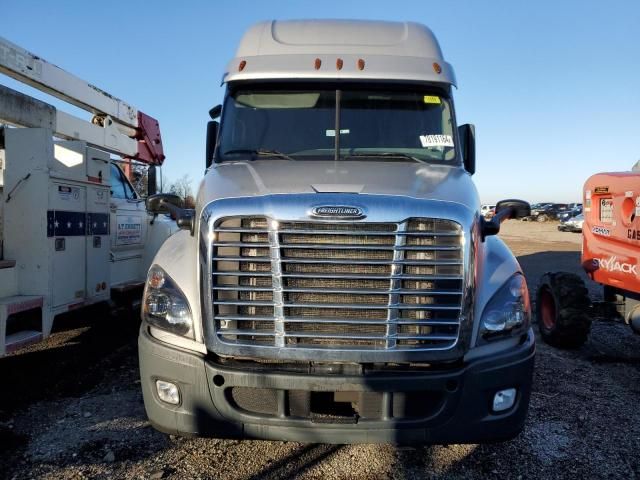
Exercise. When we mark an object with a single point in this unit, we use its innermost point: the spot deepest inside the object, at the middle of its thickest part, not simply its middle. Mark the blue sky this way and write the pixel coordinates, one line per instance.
(553, 87)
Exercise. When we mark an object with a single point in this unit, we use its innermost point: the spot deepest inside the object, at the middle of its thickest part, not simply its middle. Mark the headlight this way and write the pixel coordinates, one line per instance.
(509, 310)
(164, 305)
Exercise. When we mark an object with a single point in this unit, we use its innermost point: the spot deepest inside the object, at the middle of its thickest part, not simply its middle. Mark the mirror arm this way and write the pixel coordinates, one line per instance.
(492, 227)
(186, 220)
(184, 217)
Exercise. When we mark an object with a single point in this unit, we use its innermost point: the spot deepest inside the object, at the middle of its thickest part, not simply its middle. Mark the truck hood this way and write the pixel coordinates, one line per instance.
(272, 177)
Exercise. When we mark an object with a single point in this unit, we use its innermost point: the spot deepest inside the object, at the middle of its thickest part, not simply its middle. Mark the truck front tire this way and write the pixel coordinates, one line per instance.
(563, 310)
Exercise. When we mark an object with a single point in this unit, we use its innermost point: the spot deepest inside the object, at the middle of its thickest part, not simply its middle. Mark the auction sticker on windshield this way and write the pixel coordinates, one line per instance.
(606, 210)
(436, 141)
(432, 99)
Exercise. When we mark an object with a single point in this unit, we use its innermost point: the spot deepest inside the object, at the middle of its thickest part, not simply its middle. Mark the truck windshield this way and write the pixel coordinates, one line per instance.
(410, 125)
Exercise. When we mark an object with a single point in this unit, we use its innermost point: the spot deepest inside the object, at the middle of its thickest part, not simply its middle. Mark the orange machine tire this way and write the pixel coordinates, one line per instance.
(563, 310)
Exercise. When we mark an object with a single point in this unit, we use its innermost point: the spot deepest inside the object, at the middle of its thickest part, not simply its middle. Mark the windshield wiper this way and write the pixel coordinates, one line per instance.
(259, 152)
(403, 156)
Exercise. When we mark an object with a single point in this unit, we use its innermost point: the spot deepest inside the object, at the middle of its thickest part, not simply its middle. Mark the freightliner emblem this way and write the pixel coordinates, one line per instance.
(337, 211)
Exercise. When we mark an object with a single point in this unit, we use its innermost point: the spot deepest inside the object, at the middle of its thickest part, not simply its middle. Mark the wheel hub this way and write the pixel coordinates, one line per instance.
(548, 309)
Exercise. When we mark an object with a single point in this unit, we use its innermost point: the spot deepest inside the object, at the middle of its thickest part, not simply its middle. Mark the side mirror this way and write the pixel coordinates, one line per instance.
(152, 180)
(163, 203)
(212, 138)
(215, 112)
(173, 205)
(467, 134)
(505, 209)
(515, 208)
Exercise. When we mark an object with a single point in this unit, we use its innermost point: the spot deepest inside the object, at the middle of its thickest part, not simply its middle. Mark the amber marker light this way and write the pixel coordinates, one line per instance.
(242, 64)
(317, 64)
(437, 68)
(360, 64)
(339, 64)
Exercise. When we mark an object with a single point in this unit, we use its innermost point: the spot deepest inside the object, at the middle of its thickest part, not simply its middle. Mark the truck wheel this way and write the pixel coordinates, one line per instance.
(542, 218)
(562, 310)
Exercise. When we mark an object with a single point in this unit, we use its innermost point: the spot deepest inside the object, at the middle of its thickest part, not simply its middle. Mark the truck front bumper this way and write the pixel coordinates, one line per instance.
(443, 406)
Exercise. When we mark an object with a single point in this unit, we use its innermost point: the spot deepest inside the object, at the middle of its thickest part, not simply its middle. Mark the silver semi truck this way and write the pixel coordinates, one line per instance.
(336, 281)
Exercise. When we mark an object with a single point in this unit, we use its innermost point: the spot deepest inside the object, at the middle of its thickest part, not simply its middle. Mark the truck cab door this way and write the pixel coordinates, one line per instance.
(128, 218)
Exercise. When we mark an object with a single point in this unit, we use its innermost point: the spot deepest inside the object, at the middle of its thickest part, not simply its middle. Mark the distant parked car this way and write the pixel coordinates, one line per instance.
(548, 211)
(573, 224)
(487, 210)
(535, 206)
(573, 210)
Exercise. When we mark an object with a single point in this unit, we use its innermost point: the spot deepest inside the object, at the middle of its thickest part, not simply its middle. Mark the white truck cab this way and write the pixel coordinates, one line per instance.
(136, 235)
(337, 282)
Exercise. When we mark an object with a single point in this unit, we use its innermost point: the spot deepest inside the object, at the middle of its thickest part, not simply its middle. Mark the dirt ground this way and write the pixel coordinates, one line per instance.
(71, 408)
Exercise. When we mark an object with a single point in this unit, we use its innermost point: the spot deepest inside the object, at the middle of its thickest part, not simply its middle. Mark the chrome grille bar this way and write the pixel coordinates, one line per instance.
(335, 320)
(344, 232)
(338, 261)
(237, 273)
(354, 291)
(258, 333)
(320, 246)
(364, 306)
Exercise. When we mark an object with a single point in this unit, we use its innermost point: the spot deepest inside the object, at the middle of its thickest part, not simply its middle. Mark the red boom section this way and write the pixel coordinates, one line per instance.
(611, 231)
(149, 140)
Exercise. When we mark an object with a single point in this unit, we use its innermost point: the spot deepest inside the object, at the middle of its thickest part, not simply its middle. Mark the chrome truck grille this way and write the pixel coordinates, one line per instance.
(337, 286)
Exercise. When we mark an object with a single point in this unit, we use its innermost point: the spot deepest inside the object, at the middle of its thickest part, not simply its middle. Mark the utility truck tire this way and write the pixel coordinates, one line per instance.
(563, 310)
(542, 218)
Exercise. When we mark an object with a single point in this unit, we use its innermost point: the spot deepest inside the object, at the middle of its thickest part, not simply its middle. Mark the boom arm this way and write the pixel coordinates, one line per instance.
(116, 126)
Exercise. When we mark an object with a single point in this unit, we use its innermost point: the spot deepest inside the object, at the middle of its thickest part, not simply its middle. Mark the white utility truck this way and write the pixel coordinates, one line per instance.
(73, 231)
(338, 282)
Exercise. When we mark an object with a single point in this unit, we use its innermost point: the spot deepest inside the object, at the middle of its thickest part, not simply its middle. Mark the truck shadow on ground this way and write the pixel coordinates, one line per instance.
(67, 363)
(537, 264)
(298, 462)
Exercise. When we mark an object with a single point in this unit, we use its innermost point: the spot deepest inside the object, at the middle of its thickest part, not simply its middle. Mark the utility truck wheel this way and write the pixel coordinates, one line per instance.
(542, 218)
(562, 310)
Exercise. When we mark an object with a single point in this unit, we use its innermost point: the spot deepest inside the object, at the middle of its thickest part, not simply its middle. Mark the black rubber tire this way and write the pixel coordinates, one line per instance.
(542, 218)
(568, 324)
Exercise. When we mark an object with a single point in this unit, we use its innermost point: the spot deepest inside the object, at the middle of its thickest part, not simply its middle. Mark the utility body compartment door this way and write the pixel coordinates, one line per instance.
(67, 245)
(98, 224)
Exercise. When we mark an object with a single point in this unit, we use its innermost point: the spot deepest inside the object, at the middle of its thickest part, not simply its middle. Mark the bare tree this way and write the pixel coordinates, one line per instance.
(182, 187)
(190, 202)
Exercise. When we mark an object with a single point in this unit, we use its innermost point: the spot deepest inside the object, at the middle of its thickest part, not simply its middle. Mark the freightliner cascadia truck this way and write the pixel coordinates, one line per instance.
(336, 281)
